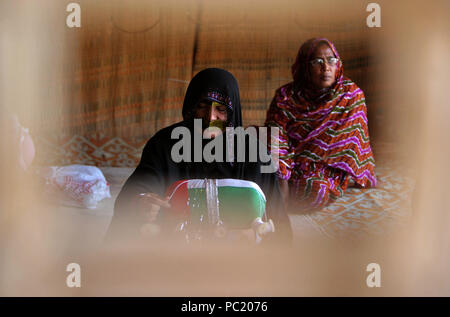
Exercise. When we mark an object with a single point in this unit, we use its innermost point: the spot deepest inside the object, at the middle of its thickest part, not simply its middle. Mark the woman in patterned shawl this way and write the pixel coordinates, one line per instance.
(324, 139)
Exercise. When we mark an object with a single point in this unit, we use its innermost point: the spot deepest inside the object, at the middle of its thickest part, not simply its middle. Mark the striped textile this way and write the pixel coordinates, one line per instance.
(322, 144)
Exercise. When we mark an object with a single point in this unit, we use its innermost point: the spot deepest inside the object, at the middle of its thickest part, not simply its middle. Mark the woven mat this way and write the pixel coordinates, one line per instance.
(363, 212)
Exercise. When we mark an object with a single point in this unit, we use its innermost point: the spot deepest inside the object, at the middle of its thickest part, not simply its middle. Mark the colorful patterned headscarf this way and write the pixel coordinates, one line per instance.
(301, 71)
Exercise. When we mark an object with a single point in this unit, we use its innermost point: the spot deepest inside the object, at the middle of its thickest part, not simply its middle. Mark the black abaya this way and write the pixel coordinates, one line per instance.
(157, 170)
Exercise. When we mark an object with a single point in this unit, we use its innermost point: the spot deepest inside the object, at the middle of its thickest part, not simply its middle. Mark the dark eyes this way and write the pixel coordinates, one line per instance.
(205, 107)
(221, 109)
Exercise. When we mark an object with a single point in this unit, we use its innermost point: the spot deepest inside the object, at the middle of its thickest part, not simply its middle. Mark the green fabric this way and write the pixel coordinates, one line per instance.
(238, 206)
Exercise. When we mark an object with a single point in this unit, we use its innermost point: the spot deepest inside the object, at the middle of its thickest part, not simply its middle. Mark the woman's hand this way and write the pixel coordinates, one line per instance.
(149, 204)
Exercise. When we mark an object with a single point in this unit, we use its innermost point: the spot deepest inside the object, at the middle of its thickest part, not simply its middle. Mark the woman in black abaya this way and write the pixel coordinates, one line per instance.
(213, 96)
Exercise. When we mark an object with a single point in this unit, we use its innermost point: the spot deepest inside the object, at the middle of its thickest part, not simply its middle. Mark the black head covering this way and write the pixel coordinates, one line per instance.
(218, 85)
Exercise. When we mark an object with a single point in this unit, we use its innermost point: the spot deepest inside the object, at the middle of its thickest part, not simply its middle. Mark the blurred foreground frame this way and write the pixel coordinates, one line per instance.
(93, 95)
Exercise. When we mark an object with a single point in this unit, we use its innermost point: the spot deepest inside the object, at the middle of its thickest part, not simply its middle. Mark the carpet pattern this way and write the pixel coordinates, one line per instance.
(373, 211)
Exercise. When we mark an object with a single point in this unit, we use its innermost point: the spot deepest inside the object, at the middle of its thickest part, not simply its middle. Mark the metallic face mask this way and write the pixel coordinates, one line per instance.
(217, 123)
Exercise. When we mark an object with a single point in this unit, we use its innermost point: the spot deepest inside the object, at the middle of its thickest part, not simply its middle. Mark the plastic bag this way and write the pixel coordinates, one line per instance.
(76, 185)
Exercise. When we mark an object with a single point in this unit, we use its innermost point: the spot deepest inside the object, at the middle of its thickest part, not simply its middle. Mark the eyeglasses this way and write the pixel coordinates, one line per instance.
(332, 61)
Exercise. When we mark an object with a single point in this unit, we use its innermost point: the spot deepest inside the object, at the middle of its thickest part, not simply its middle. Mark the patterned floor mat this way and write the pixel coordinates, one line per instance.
(373, 211)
